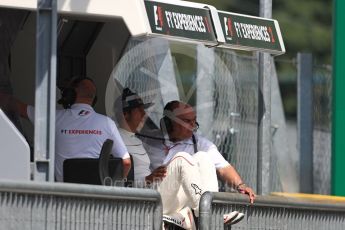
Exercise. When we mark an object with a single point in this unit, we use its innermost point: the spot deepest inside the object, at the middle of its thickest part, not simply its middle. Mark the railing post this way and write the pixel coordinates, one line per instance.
(305, 120)
(264, 108)
(157, 215)
(205, 213)
(45, 90)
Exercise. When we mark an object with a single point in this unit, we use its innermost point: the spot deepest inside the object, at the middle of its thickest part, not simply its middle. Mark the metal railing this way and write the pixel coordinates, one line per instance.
(55, 206)
(270, 212)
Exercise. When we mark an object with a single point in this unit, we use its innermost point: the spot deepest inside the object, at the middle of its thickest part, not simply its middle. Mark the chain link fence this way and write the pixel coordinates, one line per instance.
(235, 113)
(235, 129)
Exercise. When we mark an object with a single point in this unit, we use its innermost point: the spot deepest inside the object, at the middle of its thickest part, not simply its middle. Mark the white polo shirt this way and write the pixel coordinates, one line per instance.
(80, 133)
(161, 152)
(140, 158)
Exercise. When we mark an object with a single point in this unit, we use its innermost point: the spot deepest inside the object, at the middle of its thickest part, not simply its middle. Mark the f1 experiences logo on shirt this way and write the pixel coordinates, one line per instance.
(83, 112)
(81, 131)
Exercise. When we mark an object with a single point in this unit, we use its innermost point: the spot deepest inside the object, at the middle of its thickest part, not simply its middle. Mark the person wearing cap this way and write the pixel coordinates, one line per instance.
(179, 180)
(79, 131)
(130, 114)
(130, 119)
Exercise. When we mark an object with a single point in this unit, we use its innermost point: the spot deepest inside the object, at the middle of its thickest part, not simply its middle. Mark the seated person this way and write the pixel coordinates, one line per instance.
(179, 123)
(79, 131)
(130, 113)
(180, 180)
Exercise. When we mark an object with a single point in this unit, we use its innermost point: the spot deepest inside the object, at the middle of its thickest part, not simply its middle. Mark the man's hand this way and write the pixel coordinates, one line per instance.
(127, 164)
(157, 175)
(244, 189)
(229, 175)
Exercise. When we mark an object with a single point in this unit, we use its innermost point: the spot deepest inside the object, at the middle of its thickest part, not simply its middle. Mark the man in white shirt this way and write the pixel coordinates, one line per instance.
(179, 123)
(79, 131)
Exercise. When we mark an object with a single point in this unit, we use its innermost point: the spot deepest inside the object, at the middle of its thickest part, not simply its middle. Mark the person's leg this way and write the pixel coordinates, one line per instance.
(209, 175)
(207, 171)
(183, 219)
(182, 186)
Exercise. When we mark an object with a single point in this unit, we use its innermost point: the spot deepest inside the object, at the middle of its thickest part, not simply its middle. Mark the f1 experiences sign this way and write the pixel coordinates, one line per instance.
(241, 32)
(246, 31)
(182, 21)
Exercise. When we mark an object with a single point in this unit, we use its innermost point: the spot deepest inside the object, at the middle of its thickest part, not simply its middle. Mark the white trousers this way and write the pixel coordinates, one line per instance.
(188, 177)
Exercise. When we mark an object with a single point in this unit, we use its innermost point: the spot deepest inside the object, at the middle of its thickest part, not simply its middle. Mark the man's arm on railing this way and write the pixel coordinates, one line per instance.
(229, 175)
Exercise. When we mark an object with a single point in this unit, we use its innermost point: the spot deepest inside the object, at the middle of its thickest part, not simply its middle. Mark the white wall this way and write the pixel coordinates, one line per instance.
(104, 55)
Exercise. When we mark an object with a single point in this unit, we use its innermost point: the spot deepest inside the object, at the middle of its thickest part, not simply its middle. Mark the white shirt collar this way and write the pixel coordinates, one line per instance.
(82, 106)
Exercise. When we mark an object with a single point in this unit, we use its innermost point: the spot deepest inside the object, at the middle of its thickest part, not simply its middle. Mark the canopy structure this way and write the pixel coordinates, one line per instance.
(178, 20)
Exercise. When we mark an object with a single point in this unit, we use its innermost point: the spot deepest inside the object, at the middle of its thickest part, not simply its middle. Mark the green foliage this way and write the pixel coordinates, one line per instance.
(306, 27)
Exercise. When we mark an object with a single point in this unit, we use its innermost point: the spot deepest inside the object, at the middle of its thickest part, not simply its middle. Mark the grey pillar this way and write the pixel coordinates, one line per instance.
(264, 107)
(205, 89)
(45, 90)
(305, 120)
